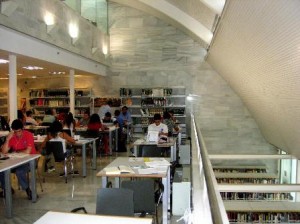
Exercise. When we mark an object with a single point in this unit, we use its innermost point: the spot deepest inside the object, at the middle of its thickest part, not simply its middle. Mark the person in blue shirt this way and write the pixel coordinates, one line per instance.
(125, 115)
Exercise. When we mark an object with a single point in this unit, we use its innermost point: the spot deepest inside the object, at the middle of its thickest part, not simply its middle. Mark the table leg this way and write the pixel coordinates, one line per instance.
(110, 143)
(135, 150)
(83, 160)
(94, 163)
(116, 138)
(117, 182)
(33, 179)
(8, 197)
(165, 200)
(104, 182)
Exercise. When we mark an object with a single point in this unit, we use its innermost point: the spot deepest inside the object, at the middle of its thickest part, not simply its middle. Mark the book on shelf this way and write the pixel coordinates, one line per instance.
(118, 169)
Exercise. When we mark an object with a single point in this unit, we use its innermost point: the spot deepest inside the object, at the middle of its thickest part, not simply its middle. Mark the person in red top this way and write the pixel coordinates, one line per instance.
(95, 125)
(19, 140)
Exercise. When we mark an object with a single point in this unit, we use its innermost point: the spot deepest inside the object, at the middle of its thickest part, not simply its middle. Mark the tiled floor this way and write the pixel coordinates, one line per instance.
(59, 196)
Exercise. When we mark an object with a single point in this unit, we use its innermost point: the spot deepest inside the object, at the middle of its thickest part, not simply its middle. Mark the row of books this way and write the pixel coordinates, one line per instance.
(256, 196)
(263, 217)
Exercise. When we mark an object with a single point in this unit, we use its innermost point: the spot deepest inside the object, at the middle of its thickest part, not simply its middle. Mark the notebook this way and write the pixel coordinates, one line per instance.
(152, 136)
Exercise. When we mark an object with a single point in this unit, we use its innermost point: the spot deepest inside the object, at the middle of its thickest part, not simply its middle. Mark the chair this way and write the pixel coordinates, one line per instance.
(115, 201)
(143, 196)
(112, 201)
(56, 147)
(67, 131)
(150, 151)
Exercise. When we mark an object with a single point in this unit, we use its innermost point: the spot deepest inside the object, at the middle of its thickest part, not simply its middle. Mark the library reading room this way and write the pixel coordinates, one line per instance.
(149, 112)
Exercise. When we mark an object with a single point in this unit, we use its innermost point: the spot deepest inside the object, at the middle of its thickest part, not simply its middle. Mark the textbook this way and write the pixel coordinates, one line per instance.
(118, 169)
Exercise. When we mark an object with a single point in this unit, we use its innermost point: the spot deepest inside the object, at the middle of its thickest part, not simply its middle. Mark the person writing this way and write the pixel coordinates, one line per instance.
(158, 126)
(19, 140)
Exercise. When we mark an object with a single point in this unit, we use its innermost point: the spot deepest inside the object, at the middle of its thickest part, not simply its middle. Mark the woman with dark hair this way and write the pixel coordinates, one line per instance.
(94, 126)
(95, 123)
(69, 123)
(55, 133)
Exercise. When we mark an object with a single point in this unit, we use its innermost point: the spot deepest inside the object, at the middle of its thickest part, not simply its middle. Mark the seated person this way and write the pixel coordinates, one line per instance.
(107, 118)
(4, 126)
(95, 126)
(55, 133)
(83, 122)
(158, 126)
(172, 127)
(69, 123)
(29, 119)
(19, 141)
(21, 116)
(49, 117)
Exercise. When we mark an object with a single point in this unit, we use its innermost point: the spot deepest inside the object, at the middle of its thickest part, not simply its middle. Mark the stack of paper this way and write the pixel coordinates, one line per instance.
(118, 170)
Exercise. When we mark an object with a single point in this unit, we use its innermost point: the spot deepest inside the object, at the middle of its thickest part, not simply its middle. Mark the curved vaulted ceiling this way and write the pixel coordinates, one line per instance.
(255, 49)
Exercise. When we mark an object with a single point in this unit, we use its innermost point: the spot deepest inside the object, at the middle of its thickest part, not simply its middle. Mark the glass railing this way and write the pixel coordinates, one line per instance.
(95, 11)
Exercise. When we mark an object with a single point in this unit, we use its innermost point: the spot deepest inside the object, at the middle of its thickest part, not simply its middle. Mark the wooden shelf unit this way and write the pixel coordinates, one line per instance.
(42, 99)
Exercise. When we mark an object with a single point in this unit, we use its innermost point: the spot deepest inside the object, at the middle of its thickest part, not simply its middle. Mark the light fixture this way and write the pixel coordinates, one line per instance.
(49, 21)
(3, 61)
(34, 76)
(73, 32)
(33, 68)
(3, 78)
(57, 73)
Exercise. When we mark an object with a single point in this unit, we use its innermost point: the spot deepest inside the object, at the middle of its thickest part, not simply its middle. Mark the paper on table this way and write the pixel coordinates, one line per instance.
(147, 171)
(157, 162)
(17, 155)
(118, 170)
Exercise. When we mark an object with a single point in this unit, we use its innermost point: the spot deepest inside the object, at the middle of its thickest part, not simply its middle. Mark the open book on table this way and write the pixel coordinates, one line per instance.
(118, 169)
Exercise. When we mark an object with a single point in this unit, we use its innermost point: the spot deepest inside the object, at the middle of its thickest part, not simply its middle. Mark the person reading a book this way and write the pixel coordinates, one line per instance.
(158, 126)
(19, 140)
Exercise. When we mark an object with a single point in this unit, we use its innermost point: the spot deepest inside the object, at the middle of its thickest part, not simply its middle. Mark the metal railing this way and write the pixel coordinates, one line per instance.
(207, 204)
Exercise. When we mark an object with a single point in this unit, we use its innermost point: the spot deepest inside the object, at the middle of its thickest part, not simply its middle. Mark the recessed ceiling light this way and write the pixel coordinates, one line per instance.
(57, 73)
(20, 74)
(34, 76)
(4, 78)
(33, 68)
(3, 61)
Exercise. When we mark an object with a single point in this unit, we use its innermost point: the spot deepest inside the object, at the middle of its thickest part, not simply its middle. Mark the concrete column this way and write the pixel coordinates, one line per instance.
(72, 91)
(13, 100)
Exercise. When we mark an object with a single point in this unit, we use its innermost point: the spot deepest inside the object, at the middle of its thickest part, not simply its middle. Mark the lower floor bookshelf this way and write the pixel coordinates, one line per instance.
(263, 211)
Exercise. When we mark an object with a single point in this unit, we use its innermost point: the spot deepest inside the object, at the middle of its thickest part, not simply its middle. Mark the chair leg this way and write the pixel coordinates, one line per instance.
(66, 170)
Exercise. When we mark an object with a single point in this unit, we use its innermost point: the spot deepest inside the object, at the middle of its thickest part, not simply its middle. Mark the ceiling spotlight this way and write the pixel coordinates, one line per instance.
(34, 76)
(3, 61)
(57, 73)
(33, 68)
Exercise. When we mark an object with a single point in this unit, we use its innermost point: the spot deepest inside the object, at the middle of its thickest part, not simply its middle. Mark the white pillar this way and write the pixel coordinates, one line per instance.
(13, 100)
(72, 91)
(297, 199)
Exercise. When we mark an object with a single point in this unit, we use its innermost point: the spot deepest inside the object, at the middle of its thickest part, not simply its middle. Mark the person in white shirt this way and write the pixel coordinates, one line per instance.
(29, 119)
(104, 109)
(158, 126)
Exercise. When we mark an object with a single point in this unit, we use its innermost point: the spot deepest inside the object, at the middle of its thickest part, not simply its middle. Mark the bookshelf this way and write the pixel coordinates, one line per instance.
(4, 103)
(42, 99)
(143, 103)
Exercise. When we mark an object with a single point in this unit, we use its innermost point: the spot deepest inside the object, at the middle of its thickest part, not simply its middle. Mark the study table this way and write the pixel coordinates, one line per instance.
(136, 164)
(17, 159)
(109, 131)
(171, 143)
(52, 217)
(82, 142)
(4, 133)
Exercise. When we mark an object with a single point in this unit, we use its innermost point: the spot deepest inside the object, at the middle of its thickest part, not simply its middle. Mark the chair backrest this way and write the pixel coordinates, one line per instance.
(151, 151)
(114, 201)
(67, 131)
(55, 147)
(46, 124)
(143, 194)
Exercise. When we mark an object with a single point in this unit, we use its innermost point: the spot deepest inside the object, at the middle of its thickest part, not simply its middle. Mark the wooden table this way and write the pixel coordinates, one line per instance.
(140, 162)
(77, 218)
(36, 130)
(171, 143)
(82, 142)
(17, 159)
